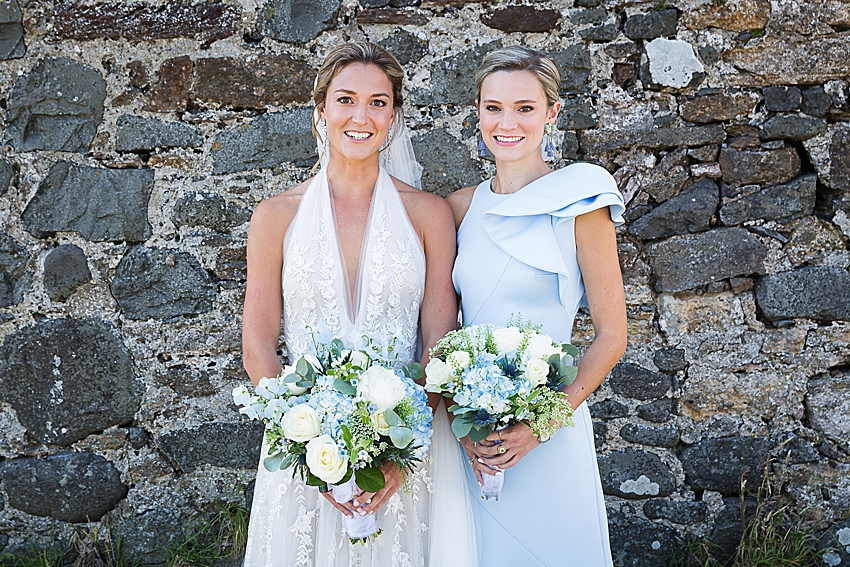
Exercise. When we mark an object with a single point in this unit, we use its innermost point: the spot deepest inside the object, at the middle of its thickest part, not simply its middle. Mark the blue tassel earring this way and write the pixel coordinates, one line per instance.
(549, 148)
(482, 147)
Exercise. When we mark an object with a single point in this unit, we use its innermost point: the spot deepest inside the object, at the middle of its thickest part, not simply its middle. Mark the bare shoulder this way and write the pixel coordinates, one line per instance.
(426, 210)
(274, 215)
(459, 202)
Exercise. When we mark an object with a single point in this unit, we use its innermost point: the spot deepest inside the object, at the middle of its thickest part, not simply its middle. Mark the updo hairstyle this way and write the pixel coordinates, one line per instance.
(519, 58)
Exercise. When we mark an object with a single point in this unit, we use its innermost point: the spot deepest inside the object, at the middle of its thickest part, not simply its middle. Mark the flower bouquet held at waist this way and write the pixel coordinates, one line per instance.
(338, 414)
(498, 376)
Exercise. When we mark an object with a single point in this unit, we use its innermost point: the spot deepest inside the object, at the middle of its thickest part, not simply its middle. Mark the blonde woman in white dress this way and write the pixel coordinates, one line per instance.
(360, 251)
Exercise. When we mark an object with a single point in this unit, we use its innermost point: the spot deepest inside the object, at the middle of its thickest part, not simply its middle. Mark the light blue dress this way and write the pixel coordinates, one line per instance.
(517, 255)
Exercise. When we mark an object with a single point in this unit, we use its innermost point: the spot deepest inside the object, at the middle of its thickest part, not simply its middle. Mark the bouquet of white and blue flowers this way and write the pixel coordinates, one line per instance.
(498, 376)
(338, 414)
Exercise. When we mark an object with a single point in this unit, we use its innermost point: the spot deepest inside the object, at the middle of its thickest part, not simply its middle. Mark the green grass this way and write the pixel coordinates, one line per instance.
(221, 537)
(777, 534)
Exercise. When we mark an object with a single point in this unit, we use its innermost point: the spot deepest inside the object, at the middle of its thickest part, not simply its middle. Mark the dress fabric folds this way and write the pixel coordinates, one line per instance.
(517, 257)
(429, 524)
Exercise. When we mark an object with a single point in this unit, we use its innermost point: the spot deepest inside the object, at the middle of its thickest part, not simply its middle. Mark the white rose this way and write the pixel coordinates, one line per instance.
(300, 423)
(359, 359)
(297, 390)
(536, 371)
(324, 461)
(460, 359)
(507, 339)
(380, 423)
(437, 373)
(541, 346)
(382, 387)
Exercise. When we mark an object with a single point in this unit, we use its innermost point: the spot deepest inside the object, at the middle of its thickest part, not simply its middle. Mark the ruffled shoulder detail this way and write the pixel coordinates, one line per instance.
(523, 224)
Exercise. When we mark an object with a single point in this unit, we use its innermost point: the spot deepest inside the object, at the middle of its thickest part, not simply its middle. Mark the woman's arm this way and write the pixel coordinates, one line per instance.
(596, 244)
(261, 314)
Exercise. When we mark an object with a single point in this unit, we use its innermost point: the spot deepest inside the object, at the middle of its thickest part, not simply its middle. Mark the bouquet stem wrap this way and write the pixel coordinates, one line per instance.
(491, 487)
(492, 484)
(358, 527)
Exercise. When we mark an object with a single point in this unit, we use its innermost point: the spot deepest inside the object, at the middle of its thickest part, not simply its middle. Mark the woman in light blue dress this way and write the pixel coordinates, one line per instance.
(538, 243)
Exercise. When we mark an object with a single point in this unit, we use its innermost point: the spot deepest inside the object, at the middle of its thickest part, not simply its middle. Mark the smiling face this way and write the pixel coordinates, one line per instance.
(358, 111)
(512, 110)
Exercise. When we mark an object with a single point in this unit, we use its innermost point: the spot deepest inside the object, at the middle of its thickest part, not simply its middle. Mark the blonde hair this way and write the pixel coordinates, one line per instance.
(364, 53)
(519, 58)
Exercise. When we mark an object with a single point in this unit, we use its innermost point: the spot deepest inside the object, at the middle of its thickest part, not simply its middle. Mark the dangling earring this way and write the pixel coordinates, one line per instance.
(549, 148)
(323, 133)
(482, 147)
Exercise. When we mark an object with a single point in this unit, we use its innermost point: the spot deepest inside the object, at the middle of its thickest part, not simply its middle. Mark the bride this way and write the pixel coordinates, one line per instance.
(349, 248)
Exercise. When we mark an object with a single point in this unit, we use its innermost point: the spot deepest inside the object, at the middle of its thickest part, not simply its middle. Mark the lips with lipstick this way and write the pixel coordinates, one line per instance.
(359, 136)
(508, 139)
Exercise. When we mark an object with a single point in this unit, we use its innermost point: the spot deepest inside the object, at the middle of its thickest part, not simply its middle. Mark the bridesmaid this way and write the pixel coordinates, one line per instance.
(539, 243)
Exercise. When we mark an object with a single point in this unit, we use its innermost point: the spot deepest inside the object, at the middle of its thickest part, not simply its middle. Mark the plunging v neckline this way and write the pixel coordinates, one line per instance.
(353, 297)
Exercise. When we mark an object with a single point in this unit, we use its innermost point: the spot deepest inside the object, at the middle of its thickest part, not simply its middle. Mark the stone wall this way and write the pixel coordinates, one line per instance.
(138, 136)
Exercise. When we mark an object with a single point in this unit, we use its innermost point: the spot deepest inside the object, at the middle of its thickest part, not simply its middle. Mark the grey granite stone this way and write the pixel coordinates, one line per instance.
(634, 474)
(811, 292)
(688, 261)
(11, 31)
(231, 445)
(689, 211)
(56, 106)
(99, 203)
(157, 283)
(446, 163)
(779, 202)
(639, 383)
(77, 371)
(65, 269)
(267, 141)
(69, 486)
(297, 21)
(718, 464)
(136, 133)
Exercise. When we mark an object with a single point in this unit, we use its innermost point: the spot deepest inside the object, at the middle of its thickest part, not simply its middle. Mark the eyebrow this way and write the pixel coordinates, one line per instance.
(523, 101)
(346, 91)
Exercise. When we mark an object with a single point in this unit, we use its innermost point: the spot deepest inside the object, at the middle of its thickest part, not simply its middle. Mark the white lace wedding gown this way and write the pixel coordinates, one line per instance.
(430, 524)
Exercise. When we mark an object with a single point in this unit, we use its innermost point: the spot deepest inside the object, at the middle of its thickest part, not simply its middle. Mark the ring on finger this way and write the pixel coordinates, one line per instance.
(472, 461)
(502, 449)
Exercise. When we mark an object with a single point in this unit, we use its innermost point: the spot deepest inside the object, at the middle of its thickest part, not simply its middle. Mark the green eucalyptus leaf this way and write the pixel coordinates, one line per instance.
(401, 436)
(288, 461)
(304, 384)
(461, 427)
(415, 370)
(568, 374)
(272, 464)
(555, 360)
(461, 410)
(337, 345)
(392, 418)
(302, 366)
(344, 387)
(370, 479)
(291, 378)
(570, 350)
(480, 433)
